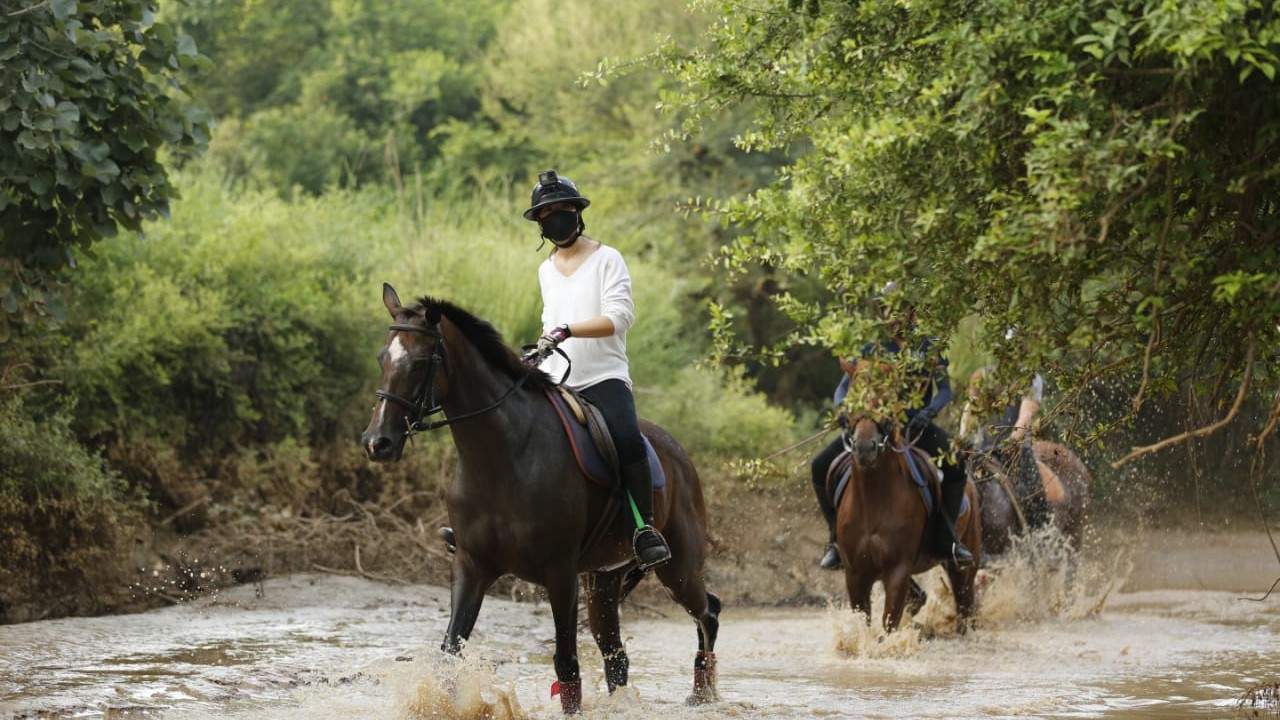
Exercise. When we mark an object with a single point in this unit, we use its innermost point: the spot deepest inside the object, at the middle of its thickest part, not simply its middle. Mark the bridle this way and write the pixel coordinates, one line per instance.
(424, 404)
(886, 432)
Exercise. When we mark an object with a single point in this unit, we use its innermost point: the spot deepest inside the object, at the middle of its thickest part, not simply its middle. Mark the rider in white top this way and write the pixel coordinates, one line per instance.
(586, 312)
(599, 286)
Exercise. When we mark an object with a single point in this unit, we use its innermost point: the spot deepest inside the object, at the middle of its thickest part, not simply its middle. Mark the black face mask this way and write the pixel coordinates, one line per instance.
(560, 227)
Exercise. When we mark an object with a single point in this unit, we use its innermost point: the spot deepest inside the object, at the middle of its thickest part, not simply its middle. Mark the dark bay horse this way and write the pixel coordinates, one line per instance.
(883, 528)
(519, 503)
(1068, 486)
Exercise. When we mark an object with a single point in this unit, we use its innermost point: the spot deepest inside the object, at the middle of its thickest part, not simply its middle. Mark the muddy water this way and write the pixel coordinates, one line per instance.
(1163, 632)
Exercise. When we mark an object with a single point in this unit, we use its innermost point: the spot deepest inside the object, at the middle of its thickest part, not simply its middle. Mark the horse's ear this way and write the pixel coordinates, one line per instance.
(390, 299)
(849, 367)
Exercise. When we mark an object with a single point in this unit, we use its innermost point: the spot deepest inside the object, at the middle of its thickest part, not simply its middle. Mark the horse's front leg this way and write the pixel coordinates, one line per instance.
(470, 582)
(859, 586)
(604, 593)
(896, 584)
(562, 591)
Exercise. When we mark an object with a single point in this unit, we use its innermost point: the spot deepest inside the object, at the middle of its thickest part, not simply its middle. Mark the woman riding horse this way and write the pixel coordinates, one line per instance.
(1023, 483)
(927, 372)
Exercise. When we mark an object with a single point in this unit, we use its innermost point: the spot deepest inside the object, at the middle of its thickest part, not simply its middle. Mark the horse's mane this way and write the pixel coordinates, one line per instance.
(486, 339)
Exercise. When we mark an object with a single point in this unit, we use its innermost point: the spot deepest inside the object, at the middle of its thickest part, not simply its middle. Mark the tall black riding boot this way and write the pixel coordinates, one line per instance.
(650, 547)
(830, 557)
(948, 543)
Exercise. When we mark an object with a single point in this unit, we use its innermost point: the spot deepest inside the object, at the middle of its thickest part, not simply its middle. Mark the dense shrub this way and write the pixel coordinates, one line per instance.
(68, 526)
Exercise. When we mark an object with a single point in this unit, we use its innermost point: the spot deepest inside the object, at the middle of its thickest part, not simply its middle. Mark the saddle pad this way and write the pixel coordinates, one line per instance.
(590, 461)
(843, 464)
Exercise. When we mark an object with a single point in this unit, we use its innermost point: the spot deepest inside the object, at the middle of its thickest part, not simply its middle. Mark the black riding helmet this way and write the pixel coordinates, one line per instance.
(552, 189)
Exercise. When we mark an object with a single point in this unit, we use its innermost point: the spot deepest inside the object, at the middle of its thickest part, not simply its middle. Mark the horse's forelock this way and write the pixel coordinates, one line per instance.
(429, 308)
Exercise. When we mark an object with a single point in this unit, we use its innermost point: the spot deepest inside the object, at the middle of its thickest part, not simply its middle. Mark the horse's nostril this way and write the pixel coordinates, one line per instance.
(377, 446)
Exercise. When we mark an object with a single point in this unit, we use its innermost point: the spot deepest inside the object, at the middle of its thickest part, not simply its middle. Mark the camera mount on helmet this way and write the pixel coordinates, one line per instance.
(552, 189)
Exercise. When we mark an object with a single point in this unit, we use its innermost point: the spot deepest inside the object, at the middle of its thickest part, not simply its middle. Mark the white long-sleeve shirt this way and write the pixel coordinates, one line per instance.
(600, 286)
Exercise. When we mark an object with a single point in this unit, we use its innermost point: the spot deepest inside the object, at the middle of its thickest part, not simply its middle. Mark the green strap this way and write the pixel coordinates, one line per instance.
(635, 511)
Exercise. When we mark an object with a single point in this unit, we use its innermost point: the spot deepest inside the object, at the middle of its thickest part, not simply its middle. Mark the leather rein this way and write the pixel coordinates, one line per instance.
(423, 404)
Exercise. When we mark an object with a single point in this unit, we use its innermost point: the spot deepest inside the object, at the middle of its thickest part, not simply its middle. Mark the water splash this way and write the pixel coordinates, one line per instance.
(862, 637)
(1042, 577)
(462, 689)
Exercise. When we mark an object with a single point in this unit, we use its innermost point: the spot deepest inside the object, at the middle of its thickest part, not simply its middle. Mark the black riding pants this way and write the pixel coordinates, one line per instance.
(818, 476)
(618, 406)
(935, 442)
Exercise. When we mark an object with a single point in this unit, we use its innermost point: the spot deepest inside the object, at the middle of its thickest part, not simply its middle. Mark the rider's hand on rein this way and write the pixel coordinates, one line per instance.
(552, 339)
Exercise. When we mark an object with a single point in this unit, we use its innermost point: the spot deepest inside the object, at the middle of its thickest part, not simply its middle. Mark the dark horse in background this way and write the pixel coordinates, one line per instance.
(519, 503)
(883, 527)
(1066, 483)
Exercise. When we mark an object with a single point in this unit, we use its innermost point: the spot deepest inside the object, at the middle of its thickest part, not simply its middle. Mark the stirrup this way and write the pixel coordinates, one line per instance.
(831, 558)
(960, 555)
(654, 554)
(446, 534)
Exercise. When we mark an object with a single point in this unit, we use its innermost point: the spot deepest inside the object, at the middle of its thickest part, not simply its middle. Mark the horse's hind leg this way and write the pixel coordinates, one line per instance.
(604, 593)
(682, 577)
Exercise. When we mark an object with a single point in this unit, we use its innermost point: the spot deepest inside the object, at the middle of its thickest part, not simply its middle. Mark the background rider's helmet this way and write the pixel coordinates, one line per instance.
(552, 189)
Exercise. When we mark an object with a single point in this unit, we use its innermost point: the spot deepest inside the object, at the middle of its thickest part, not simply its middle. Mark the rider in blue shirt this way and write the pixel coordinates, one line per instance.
(930, 368)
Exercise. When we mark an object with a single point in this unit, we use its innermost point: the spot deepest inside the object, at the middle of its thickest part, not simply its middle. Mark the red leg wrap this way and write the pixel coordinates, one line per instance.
(571, 696)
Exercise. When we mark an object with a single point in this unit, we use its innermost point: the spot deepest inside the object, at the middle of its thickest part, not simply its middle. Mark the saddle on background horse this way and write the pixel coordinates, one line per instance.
(925, 477)
(928, 483)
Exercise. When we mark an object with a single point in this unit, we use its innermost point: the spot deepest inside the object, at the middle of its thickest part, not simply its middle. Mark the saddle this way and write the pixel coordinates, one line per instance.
(592, 446)
(928, 484)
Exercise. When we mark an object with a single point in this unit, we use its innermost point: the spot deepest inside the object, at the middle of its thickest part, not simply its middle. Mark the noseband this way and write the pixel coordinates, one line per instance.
(424, 403)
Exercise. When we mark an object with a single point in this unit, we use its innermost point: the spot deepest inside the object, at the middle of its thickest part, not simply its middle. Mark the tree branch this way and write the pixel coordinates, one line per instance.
(29, 8)
(1206, 430)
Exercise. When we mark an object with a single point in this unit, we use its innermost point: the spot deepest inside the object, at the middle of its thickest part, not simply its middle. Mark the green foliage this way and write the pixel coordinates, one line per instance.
(88, 100)
(42, 460)
(233, 325)
(68, 524)
(339, 92)
(716, 413)
(1100, 175)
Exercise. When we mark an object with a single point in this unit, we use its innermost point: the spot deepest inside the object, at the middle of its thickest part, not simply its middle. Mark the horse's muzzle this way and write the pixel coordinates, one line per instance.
(381, 448)
(864, 455)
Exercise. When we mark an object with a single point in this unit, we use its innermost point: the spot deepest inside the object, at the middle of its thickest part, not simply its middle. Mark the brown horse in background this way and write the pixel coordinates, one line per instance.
(1068, 487)
(519, 502)
(883, 528)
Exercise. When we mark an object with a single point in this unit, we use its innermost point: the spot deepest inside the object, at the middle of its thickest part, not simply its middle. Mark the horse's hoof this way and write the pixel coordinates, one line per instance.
(702, 697)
